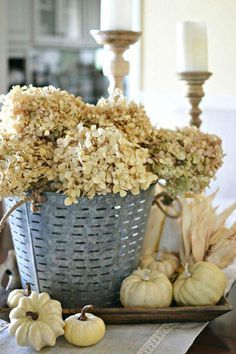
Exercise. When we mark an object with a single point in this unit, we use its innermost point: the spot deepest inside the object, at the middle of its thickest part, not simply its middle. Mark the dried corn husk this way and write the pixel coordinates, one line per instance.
(204, 235)
(164, 262)
(154, 230)
(222, 249)
(153, 233)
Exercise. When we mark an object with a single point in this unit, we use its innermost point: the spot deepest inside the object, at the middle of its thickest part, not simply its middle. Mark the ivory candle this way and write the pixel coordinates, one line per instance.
(116, 15)
(191, 47)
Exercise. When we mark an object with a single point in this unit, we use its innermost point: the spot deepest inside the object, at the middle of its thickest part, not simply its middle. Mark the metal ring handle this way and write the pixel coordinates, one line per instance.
(165, 199)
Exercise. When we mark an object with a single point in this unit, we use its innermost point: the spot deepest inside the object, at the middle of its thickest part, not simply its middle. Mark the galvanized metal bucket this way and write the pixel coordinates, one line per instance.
(81, 253)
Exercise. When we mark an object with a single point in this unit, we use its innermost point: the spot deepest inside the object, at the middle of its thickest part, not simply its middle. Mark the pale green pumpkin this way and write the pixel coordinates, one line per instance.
(36, 321)
(146, 288)
(84, 329)
(202, 284)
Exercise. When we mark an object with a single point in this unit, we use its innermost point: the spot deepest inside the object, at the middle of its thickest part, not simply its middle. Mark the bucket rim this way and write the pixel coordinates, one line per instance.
(97, 197)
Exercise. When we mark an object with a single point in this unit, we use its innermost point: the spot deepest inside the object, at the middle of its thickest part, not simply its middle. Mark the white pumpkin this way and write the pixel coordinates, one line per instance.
(15, 296)
(146, 288)
(202, 284)
(36, 321)
(167, 263)
(84, 329)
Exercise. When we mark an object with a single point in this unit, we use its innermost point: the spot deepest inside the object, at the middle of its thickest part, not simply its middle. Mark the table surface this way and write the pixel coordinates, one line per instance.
(219, 337)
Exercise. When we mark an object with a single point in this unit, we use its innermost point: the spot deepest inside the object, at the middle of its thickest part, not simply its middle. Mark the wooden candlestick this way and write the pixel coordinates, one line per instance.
(117, 42)
(194, 82)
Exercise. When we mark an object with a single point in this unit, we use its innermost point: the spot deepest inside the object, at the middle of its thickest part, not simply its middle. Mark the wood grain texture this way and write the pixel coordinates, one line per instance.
(117, 42)
(172, 314)
(122, 315)
(195, 93)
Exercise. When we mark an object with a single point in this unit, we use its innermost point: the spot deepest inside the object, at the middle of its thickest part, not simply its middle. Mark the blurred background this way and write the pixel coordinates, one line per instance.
(47, 42)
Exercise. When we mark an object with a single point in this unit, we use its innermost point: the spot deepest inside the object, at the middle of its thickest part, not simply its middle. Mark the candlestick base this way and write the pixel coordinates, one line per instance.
(117, 42)
(194, 82)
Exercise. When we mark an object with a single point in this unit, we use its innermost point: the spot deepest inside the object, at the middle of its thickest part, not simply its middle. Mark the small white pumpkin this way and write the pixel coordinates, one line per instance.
(15, 296)
(146, 288)
(36, 321)
(167, 263)
(84, 329)
(202, 284)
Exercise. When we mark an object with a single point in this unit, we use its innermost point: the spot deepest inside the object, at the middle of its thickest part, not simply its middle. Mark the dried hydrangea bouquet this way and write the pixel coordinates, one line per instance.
(90, 162)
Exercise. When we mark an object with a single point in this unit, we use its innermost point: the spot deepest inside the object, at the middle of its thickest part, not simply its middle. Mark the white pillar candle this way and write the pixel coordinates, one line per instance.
(116, 15)
(191, 47)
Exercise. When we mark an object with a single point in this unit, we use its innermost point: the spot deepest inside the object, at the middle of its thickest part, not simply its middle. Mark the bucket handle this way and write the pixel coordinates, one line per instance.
(36, 198)
(8, 213)
(169, 205)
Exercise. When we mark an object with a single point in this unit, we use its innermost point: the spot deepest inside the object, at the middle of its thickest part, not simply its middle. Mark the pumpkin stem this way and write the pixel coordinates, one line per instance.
(145, 275)
(83, 316)
(27, 289)
(187, 271)
(33, 315)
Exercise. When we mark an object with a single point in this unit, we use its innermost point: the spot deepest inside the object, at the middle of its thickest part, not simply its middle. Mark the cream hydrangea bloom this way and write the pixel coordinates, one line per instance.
(53, 141)
(97, 160)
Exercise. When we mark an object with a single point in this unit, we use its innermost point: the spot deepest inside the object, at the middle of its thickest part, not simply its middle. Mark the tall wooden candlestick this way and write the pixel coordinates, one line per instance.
(194, 81)
(117, 42)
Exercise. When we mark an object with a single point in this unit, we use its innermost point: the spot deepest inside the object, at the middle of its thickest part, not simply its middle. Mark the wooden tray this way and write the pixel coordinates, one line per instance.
(121, 315)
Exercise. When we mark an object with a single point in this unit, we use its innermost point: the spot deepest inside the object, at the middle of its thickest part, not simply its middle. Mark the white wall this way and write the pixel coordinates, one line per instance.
(159, 42)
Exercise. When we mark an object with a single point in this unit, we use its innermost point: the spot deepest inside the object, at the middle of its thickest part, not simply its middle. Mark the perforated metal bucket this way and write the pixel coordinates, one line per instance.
(80, 254)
